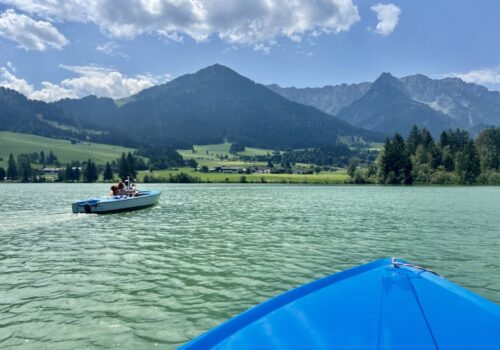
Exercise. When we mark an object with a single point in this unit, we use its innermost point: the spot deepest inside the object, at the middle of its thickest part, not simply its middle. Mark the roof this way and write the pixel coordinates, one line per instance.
(378, 305)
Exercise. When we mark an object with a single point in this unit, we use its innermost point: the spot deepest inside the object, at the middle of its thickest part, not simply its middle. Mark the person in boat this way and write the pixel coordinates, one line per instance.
(118, 189)
(114, 190)
(126, 190)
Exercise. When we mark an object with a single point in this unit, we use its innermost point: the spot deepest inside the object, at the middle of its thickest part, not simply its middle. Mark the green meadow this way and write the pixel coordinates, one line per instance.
(65, 151)
(324, 177)
(210, 155)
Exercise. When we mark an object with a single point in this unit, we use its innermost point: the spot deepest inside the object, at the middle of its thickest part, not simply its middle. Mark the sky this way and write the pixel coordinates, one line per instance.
(51, 49)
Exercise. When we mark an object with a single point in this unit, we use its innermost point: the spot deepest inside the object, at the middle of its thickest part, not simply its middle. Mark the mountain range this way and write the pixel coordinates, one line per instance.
(217, 104)
(390, 104)
(210, 106)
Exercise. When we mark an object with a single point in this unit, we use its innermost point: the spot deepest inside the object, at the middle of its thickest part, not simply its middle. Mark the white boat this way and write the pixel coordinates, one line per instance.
(112, 204)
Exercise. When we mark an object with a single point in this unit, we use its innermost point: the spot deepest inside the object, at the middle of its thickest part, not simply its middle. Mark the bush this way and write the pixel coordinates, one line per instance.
(442, 177)
(183, 178)
(489, 177)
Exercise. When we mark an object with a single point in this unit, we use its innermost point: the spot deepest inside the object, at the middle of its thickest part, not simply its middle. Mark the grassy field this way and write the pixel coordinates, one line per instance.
(16, 143)
(338, 177)
(210, 155)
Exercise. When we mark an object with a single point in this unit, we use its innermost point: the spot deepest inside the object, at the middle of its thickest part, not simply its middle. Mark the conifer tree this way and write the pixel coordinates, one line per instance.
(12, 168)
(108, 172)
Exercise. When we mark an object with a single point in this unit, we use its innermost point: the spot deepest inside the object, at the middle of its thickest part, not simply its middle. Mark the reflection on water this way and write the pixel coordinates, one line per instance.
(161, 276)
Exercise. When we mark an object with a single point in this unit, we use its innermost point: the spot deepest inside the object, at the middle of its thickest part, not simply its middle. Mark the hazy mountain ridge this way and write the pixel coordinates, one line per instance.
(388, 107)
(469, 105)
(466, 105)
(329, 99)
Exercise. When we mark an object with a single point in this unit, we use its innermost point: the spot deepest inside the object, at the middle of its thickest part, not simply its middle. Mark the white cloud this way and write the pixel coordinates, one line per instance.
(388, 17)
(11, 66)
(235, 21)
(89, 80)
(110, 48)
(480, 76)
(170, 36)
(30, 34)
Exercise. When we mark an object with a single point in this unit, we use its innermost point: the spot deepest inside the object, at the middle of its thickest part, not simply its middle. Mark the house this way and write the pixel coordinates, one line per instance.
(51, 171)
(231, 170)
(261, 170)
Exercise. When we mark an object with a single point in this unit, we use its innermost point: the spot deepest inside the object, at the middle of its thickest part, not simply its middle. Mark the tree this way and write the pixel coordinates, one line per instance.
(12, 168)
(467, 163)
(123, 167)
(3, 174)
(42, 157)
(447, 159)
(421, 156)
(90, 172)
(444, 139)
(132, 167)
(24, 167)
(414, 139)
(488, 146)
(108, 172)
(76, 174)
(236, 147)
(394, 162)
(51, 158)
(351, 169)
(192, 163)
(68, 174)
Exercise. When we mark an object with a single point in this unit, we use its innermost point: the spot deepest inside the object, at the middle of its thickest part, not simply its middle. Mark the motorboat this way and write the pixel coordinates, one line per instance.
(118, 203)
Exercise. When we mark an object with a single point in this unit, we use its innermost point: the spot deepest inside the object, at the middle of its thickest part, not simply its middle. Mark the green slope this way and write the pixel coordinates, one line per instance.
(17, 143)
(209, 155)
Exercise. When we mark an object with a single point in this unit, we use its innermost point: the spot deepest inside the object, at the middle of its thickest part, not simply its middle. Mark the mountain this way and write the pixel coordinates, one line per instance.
(91, 110)
(470, 106)
(210, 106)
(217, 104)
(19, 114)
(467, 106)
(329, 99)
(388, 107)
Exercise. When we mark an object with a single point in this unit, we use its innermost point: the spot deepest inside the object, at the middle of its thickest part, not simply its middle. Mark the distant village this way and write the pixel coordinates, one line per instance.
(252, 170)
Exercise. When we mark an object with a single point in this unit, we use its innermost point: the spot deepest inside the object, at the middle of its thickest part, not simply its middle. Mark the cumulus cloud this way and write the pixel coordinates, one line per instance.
(235, 21)
(30, 34)
(480, 76)
(387, 16)
(88, 80)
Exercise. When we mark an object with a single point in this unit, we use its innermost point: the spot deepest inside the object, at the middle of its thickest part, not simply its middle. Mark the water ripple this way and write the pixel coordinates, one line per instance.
(159, 277)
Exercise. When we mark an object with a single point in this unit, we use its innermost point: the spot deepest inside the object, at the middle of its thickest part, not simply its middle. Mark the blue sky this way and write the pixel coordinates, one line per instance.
(54, 49)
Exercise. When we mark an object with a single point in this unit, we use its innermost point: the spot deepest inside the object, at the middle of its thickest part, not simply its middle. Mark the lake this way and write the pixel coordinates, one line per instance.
(160, 276)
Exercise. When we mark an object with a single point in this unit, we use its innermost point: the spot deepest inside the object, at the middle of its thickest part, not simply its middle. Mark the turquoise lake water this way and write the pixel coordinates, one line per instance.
(160, 276)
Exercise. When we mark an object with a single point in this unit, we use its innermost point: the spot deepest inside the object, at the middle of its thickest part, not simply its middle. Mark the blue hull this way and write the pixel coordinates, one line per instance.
(116, 204)
(380, 305)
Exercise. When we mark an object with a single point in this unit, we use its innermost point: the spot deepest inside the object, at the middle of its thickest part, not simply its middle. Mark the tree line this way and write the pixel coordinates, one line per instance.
(337, 155)
(456, 158)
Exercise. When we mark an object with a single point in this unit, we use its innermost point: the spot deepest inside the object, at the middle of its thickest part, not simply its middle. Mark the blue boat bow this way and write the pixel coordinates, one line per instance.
(386, 304)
